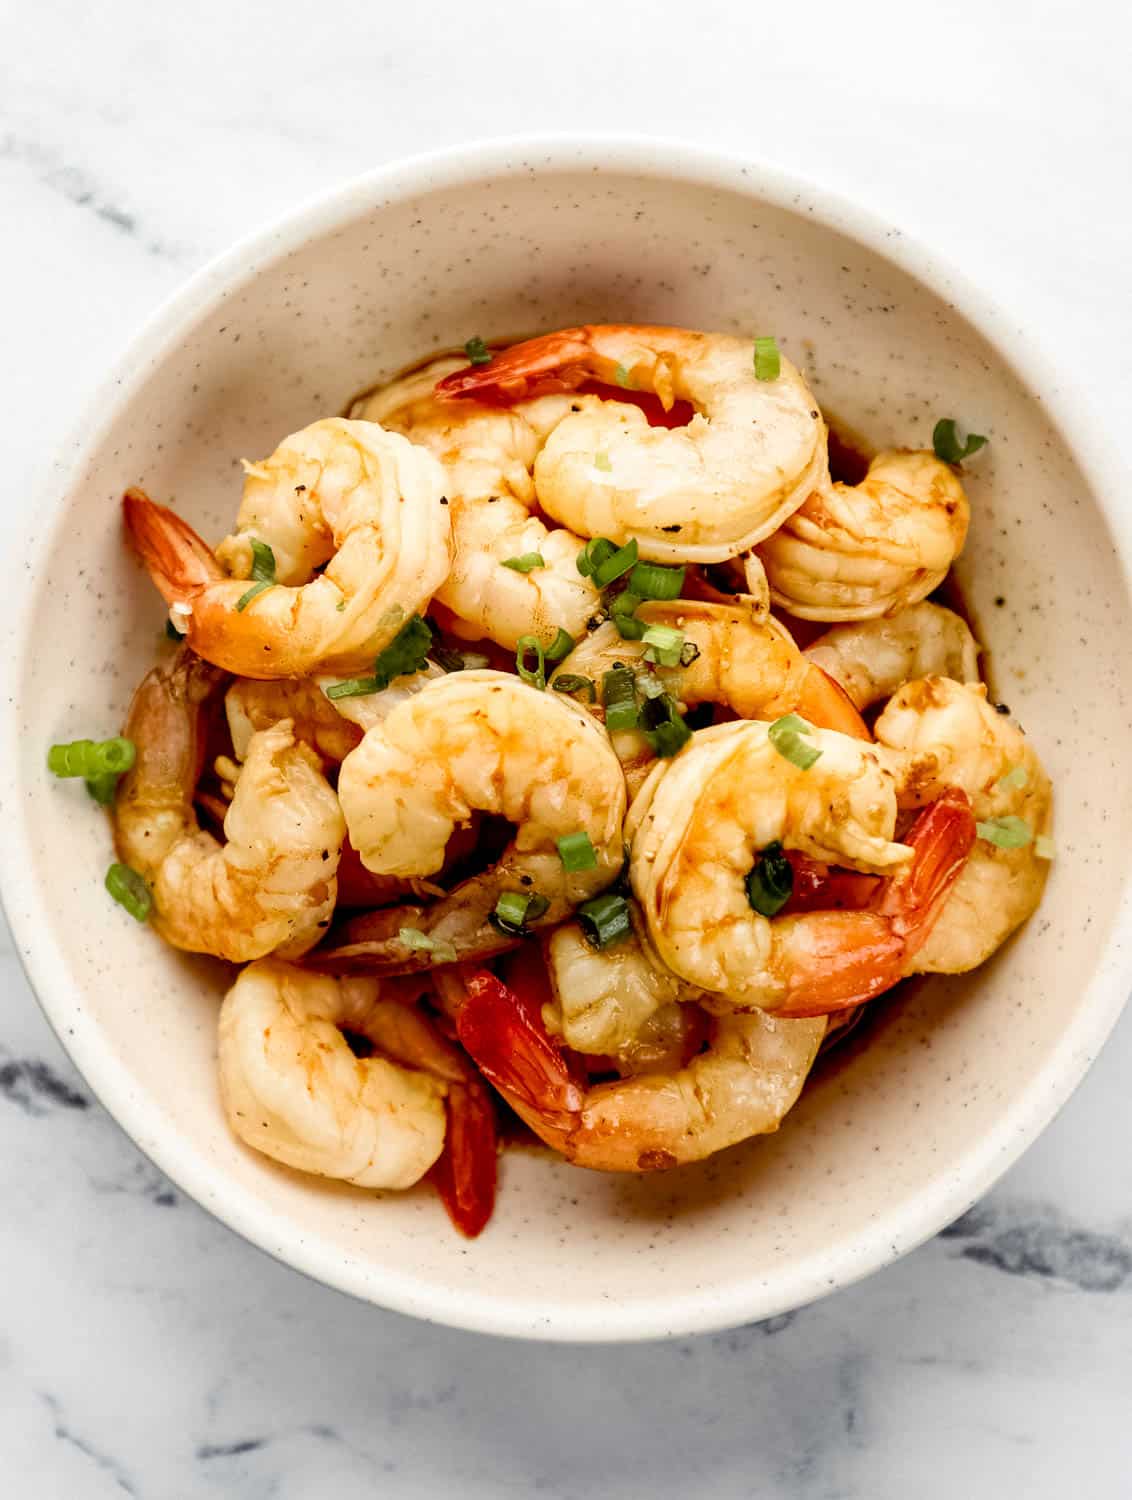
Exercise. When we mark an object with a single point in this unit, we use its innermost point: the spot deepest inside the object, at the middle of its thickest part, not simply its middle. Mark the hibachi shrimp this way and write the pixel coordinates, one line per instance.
(270, 888)
(477, 741)
(702, 493)
(698, 826)
(945, 734)
(368, 504)
(872, 658)
(853, 552)
(742, 1085)
(487, 454)
(253, 704)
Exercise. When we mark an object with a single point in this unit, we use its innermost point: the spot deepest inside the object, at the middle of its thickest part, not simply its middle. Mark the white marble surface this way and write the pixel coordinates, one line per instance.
(144, 1350)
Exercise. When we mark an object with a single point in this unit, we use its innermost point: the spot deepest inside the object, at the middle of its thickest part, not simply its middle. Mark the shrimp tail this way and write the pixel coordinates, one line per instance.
(825, 702)
(943, 836)
(180, 563)
(556, 362)
(466, 1172)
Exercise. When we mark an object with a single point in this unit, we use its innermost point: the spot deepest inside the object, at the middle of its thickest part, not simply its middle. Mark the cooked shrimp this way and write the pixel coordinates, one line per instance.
(368, 504)
(744, 661)
(696, 828)
(856, 551)
(293, 1089)
(478, 741)
(253, 704)
(488, 454)
(741, 1086)
(270, 888)
(873, 658)
(946, 734)
(701, 493)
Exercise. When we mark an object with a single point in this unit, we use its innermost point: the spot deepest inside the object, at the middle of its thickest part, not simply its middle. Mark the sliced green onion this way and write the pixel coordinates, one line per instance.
(103, 788)
(562, 644)
(1044, 846)
(664, 727)
(593, 554)
(648, 684)
(1014, 779)
(477, 351)
(621, 375)
(787, 737)
(515, 909)
(423, 942)
(475, 661)
(129, 890)
(576, 852)
(768, 362)
(665, 643)
(91, 758)
(527, 562)
(569, 682)
(619, 698)
(1006, 833)
(652, 581)
(405, 654)
(689, 652)
(263, 571)
(535, 676)
(341, 606)
(601, 462)
(613, 566)
(354, 687)
(605, 920)
(770, 882)
(444, 656)
(623, 613)
(945, 441)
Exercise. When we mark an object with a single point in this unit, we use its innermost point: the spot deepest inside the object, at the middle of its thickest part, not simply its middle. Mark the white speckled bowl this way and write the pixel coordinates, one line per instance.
(887, 1146)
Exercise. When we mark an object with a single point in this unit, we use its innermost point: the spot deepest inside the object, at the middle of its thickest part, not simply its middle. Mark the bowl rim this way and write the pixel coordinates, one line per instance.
(921, 1213)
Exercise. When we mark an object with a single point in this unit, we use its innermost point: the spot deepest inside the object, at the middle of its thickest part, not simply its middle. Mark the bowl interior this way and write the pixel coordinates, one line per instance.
(889, 1139)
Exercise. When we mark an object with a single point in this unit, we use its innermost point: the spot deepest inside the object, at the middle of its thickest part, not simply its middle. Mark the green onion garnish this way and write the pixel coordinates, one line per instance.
(648, 684)
(601, 462)
(562, 644)
(515, 909)
(576, 852)
(768, 362)
(621, 375)
(526, 563)
(129, 890)
(605, 920)
(613, 566)
(92, 758)
(1006, 833)
(422, 942)
(619, 698)
(787, 737)
(593, 554)
(652, 581)
(102, 788)
(663, 726)
(477, 351)
(354, 687)
(535, 676)
(1044, 846)
(444, 656)
(665, 643)
(623, 613)
(263, 571)
(405, 654)
(475, 661)
(945, 441)
(770, 882)
(570, 682)
(1015, 778)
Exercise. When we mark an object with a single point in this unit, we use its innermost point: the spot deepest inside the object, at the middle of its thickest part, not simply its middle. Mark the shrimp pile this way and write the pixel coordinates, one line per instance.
(498, 751)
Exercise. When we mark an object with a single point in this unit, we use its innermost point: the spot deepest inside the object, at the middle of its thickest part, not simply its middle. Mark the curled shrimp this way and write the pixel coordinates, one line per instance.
(856, 551)
(696, 829)
(487, 454)
(741, 1085)
(872, 658)
(253, 704)
(702, 493)
(743, 661)
(472, 742)
(368, 504)
(944, 733)
(271, 887)
(293, 1089)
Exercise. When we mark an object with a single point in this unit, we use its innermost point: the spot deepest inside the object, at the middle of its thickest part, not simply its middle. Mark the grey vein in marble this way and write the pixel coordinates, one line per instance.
(1025, 1239)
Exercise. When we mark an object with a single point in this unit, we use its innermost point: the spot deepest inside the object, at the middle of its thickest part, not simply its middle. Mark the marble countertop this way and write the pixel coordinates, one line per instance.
(144, 1349)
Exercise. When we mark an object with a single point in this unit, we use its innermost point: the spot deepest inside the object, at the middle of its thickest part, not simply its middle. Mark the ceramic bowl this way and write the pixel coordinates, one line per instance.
(894, 1139)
